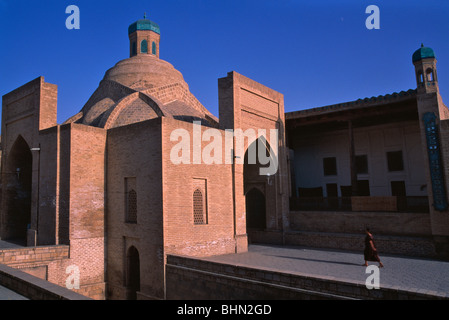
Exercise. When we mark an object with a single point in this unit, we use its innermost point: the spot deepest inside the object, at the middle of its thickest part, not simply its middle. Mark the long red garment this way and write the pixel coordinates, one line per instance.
(370, 254)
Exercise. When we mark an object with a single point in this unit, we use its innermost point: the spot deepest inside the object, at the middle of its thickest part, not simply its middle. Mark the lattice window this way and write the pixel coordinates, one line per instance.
(131, 206)
(144, 46)
(198, 207)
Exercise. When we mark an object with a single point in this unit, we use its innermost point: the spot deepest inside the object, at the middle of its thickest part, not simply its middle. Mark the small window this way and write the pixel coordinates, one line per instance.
(153, 48)
(398, 188)
(363, 188)
(395, 161)
(198, 208)
(361, 164)
(330, 166)
(420, 77)
(429, 73)
(144, 46)
(131, 206)
(332, 190)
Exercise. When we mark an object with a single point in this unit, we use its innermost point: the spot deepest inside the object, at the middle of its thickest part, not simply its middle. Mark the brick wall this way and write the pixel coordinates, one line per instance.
(387, 223)
(423, 246)
(181, 235)
(34, 288)
(134, 151)
(244, 104)
(24, 255)
(25, 111)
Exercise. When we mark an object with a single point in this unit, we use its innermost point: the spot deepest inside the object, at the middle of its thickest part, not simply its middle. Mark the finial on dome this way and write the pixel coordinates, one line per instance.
(422, 45)
(145, 15)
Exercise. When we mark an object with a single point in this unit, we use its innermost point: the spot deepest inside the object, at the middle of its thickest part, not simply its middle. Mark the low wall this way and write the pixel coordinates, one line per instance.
(34, 288)
(407, 246)
(190, 279)
(49, 263)
(374, 203)
(380, 223)
(29, 255)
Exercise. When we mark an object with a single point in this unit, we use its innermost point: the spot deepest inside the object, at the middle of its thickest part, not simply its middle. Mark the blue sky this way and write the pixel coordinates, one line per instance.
(314, 52)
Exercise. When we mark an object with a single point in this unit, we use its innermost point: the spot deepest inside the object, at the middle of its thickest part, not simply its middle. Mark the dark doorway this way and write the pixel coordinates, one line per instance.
(258, 155)
(18, 183)
(363, 188)
(255, 209)
(398, 188)
(133, 285)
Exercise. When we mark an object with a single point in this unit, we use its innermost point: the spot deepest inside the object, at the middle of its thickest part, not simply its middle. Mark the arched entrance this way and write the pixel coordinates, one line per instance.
(257, 156)
(255, 209)
(133, 273)
(18, 195)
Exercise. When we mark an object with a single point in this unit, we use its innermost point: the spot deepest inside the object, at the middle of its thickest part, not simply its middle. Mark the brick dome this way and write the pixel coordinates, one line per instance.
(141, 88)
(144, 72)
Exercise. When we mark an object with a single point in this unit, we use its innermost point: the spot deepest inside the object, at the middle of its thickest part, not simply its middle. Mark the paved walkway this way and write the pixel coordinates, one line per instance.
(6, 294)
(411, 274)
(9, 245)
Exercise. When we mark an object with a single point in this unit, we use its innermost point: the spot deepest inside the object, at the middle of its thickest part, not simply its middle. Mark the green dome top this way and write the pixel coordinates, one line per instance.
(144, 24)
(423, 53)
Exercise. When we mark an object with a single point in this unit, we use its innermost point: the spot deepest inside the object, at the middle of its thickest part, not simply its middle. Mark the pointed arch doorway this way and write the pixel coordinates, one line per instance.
(133, 273)
(18, 173)
(255, 209)
(256, 185)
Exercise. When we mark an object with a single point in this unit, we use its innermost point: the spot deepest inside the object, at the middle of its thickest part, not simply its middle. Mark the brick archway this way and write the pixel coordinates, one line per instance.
(18, 172)
(133, 273)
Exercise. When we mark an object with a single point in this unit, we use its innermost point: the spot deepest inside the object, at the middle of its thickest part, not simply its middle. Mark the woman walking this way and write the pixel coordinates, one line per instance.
(370, 252)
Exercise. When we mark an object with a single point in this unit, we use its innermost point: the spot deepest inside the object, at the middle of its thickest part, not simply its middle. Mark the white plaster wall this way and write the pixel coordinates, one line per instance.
(375, 142)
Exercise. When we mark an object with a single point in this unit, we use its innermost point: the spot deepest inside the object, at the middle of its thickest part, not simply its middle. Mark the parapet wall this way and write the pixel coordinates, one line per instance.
(34, 288)
(190, 278)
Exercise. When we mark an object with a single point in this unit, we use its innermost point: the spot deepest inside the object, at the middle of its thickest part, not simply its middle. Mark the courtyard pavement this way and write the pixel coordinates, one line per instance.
(5, 293)
(406, 273)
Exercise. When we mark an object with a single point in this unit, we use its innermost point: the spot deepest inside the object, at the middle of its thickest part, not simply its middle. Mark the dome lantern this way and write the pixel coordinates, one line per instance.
(144, 37)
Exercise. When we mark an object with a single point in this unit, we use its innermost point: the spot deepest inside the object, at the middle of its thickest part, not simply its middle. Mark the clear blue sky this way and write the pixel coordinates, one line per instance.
(314, 52)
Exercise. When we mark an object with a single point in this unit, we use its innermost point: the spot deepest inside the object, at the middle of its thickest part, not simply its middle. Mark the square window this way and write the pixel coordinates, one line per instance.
(330, 166)
(395, 161)
(398, 188)
(332, 190)
(363, 188)
(361, 164)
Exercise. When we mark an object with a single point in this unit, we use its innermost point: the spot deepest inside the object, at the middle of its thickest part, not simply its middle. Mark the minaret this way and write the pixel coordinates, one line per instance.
(425, 69)
(434, 126)
(144, 36)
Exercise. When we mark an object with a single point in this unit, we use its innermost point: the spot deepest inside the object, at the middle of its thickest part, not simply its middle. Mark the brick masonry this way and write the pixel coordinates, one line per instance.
(202, 279)
(80, 169)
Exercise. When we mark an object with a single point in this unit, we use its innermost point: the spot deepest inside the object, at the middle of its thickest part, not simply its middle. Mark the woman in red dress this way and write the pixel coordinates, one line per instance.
(370, 252)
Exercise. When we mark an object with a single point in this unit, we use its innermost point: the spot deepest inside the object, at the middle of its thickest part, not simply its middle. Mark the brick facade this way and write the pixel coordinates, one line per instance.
(101, 191)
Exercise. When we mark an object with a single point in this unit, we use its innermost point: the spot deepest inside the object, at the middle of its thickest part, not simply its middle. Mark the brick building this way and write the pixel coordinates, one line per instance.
(101, 191)
(103, 183)
(379, 162)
